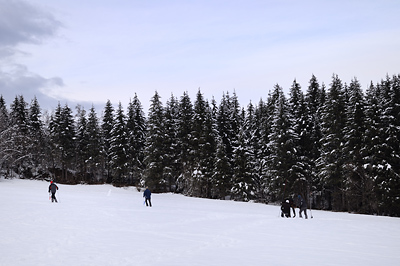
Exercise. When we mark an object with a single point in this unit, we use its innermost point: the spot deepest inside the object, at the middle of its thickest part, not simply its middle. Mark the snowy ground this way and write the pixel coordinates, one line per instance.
(104, 225)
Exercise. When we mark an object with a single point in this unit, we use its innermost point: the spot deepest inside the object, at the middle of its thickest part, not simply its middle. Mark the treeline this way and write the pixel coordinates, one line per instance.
(338, 146)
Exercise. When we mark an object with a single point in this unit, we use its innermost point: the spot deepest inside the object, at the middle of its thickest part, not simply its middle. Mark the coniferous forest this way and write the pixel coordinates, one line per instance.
(337, 145)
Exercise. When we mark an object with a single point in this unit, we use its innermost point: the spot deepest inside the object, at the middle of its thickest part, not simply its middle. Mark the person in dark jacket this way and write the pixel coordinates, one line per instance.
(53, 188)
(302, 204)
(293, 206)
(285, 208)
(286, 205)
(147, 196)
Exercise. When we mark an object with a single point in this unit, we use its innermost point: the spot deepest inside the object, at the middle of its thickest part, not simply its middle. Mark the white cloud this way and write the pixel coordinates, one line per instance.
(22, 23)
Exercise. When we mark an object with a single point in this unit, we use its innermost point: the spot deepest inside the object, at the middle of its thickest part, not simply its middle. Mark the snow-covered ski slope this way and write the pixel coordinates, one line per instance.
(104, 225)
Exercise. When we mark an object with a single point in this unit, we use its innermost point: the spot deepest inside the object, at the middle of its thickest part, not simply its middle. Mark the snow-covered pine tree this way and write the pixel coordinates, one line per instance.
(94, 147)
(35, 121)
(68, 141)
(4, 136)
(14, 135)
(203, 147)
(281, 161)
(39, 140)
(235, 120)
(243, 181)
(260, 140)
(223, 123)
(225, 134)
(222, 177)
(54, 129)
(330, 163)
(119, 148)
(136, 134)
(62, 133)
(236, 124)
(106, 128)
(358, 185)
(171, 164)
(314, 99)
(268, 117)
(198, 142)
(154, 151)
(207, 146)
(301, 167)
(185, 143)
(17, 142)
(208, 150)
(19, 114)
(82, 140)
(394, 143)
(388, 179)
(373, 141)
(4, 119)
(251, 127)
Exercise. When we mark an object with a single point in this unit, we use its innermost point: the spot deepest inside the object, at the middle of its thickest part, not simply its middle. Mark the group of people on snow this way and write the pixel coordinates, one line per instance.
(289, 203)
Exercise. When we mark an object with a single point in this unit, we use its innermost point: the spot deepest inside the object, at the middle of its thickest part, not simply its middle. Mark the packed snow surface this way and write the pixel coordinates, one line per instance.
(105, 225)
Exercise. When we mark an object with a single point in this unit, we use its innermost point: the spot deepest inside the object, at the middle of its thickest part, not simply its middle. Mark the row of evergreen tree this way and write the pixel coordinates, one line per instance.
(337, 146)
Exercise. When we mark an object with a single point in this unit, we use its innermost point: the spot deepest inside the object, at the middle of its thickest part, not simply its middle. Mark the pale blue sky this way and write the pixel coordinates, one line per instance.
(91, 51)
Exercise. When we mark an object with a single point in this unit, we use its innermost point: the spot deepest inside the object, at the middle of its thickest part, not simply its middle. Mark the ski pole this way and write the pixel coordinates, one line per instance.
(309, 196)
(283, 198)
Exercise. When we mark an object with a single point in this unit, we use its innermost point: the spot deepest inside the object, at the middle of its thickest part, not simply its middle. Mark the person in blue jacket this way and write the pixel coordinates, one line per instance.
(302, 204)
(147, 196)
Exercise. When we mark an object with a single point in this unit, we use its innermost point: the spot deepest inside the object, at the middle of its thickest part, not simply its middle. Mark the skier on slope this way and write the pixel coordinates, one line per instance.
(147, 196)
(302, 204)
(53, 188)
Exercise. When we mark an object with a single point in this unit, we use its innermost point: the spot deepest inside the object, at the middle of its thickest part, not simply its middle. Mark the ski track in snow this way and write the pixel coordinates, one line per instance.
(104, 225)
